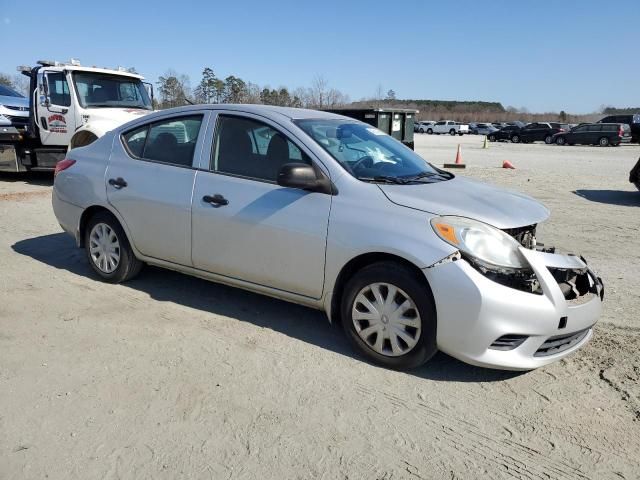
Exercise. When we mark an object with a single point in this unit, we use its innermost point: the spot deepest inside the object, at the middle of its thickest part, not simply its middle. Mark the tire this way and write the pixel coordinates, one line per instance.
(420, 345)
(421, 130)
(515, 139)
(461, 133)
(548, 139)
(491, 138)
(452, 132)
(429, 131)
(603, 142)
(560, 141)
(104, 225)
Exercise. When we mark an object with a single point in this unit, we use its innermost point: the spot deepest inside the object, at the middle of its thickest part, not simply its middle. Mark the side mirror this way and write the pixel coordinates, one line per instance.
(304, 177)
(297, 175)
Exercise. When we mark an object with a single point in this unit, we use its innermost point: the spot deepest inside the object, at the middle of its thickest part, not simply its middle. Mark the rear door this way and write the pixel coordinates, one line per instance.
(149, 181)
(258, 231)
(594, 132)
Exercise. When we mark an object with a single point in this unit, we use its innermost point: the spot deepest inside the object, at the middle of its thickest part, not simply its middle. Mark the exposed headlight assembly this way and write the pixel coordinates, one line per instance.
(490, 247)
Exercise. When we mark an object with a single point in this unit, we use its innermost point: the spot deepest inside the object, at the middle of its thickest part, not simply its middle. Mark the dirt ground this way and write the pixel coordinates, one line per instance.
(171, 377)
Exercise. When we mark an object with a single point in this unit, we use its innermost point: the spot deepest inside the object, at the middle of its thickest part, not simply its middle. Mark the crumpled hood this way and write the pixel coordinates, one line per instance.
(464, 197)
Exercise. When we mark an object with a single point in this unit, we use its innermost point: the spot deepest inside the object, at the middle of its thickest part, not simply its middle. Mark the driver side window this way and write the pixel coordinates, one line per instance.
(252, 149)
(58, 89)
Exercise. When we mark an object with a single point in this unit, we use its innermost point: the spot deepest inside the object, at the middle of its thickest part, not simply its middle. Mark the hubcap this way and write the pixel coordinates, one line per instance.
(104, 248)
(386, 319)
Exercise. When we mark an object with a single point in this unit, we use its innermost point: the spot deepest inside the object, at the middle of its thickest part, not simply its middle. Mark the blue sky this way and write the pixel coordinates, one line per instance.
(542, 55)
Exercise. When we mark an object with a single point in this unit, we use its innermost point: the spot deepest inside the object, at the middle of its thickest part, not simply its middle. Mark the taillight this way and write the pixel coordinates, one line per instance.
(562, 130)
(63, 165)
(621, 132)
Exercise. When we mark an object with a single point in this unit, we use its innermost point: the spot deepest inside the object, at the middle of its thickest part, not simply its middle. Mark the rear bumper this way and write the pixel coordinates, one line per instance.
(473, 312)
(68, 216)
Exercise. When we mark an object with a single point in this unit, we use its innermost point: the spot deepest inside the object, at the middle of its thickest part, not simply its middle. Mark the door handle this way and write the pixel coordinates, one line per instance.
(117, 182)
(216, 200)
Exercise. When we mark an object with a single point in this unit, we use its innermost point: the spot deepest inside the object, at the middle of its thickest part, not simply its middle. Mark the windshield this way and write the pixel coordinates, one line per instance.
(369, 154)
(103, 90)
(8, 92)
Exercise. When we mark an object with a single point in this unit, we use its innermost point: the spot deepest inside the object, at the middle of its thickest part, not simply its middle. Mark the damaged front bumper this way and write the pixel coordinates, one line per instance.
(489, 324)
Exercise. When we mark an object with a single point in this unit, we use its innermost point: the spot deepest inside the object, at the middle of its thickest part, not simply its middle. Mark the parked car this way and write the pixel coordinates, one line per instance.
(14, 108)
(603, 134)
(450, 127)
(507, 133)
(634, 175)
(425, 126)
(540, 132)
(287, 202)
(632, 120)
(483, 129)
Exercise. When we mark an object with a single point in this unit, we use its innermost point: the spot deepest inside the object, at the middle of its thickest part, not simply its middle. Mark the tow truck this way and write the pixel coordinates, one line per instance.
(70, 106)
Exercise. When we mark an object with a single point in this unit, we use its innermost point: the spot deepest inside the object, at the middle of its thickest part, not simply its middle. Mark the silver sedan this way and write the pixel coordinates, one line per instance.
(328, 212)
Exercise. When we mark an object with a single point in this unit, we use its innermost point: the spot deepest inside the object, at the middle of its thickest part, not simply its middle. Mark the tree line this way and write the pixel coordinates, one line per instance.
(174, 90)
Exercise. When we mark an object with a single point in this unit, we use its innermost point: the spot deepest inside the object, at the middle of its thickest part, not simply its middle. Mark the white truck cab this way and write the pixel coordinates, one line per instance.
(450, 127)
(71, 106)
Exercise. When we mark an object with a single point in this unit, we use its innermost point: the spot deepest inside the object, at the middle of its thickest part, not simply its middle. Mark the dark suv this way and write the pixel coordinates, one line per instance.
(506, 133)
(633, 120)
(540, 132)
(602, 134)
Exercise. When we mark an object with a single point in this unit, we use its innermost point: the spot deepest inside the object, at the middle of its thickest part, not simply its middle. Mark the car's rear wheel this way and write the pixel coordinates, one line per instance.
(452, 132)
(108, 250)
(603, 142)
(421, 130)
(515, 139)
(389, 315)
(548, 139)
(429, 131)
(560, 141)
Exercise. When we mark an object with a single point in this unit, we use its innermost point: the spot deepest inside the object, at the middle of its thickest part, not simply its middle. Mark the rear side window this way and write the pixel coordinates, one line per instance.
(610, 128)
(171, 141)
(594, 128)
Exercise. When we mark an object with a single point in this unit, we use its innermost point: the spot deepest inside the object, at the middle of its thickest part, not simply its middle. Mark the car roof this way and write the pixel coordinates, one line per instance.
(289, 112)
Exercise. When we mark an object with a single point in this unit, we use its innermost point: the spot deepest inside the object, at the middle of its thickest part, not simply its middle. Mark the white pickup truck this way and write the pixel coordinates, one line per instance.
(450, 127)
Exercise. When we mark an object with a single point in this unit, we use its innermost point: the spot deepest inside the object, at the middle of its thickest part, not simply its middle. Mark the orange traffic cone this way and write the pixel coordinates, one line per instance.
(508, 164)
(459, 163)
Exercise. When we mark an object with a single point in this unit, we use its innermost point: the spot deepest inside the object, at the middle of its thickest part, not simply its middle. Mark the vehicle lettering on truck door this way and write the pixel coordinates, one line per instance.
(57, 123)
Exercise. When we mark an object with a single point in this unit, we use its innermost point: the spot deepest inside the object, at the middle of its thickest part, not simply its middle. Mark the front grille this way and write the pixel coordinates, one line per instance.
(560, 343)
(23, 121)
(508, 342)
(526, 236)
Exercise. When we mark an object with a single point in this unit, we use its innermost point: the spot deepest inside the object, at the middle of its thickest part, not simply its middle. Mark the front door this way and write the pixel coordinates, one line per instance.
(245, 225)
(149, 181)
(55, 109)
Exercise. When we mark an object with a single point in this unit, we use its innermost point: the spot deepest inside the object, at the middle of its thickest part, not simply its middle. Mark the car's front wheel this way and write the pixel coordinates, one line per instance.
(492, 138)
(429, 131)
(108, 250)
(421, 130)
(389, 314)
(560, 141)
(548, 139)
(515, 139)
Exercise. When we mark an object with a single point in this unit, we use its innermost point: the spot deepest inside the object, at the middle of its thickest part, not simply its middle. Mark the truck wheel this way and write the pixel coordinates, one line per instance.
(82, 139)
(603, 142)
(452, 132)
(389, 315)
(429, 131)
(108, 249)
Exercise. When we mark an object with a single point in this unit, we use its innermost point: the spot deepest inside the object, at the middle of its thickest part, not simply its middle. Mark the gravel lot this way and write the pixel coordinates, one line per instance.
(173, 377)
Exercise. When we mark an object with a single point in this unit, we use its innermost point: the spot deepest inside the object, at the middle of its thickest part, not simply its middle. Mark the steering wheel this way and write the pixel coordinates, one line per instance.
(364, 162)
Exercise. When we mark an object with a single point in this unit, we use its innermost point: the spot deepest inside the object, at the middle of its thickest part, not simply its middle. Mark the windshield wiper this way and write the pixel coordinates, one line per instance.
(428, 175)
(384, 179)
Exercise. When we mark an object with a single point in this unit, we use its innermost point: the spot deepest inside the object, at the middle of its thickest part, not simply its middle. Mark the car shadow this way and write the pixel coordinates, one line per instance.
(33, 178)
(623, 198)
(311, 326)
